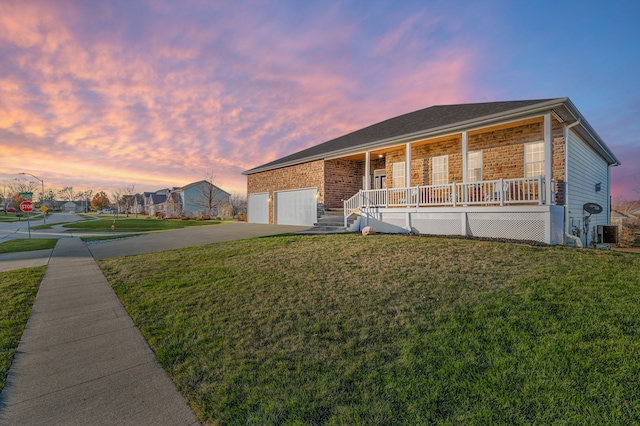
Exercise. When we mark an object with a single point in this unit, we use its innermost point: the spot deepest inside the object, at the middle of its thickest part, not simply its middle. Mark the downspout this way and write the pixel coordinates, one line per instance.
(566, 178)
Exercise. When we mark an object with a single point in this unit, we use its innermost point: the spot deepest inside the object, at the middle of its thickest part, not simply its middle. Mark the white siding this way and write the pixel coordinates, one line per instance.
(585, 168)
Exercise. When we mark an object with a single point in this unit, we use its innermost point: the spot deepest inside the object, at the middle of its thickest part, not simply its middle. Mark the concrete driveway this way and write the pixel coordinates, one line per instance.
(188, 237)
(168, 240)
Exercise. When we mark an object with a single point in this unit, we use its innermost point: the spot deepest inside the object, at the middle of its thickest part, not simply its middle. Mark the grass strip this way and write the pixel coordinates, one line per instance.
(14, 246)
(18, 291)
(346, 329)
(135, 225)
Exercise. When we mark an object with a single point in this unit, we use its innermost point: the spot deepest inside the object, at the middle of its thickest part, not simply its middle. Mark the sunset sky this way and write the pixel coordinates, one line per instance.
(103, 94)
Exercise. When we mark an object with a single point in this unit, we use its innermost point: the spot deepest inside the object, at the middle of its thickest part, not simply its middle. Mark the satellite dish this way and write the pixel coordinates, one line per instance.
(592, 208)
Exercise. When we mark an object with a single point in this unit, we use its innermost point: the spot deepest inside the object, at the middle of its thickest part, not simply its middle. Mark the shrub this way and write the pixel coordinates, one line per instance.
(161, 215)
(241, 217)
(626, 236)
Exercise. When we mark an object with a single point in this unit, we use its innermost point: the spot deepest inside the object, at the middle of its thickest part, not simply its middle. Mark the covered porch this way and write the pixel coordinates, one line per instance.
(517, 209)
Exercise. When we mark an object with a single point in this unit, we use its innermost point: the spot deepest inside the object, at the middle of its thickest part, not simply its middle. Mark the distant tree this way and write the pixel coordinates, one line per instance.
(116, 196)
(128, 197)
(16, 199)
(100, 201)
(67, 194)
(49, 197)
(86, 196)
(22, 185)
(238, 204)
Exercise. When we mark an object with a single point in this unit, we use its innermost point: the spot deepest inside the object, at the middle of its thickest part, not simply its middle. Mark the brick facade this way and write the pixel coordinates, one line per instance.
(503, 150)
(339, 179)
(342, 179)
(305, 175)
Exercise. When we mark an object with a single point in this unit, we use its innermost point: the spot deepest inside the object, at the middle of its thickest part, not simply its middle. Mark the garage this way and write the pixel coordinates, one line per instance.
(298, 207)
(258, 208)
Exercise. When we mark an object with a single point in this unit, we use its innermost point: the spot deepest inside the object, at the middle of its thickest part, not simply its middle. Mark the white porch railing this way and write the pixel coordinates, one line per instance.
(488, 193)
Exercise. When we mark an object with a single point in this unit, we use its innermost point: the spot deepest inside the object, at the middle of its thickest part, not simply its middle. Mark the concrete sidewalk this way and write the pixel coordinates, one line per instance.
(24, 259)
(81, 360)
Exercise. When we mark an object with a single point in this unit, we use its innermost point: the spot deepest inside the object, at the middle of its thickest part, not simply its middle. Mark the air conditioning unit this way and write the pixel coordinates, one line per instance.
(607, 234)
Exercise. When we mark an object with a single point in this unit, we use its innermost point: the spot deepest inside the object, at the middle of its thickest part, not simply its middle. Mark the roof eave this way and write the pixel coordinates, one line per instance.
(592, 136)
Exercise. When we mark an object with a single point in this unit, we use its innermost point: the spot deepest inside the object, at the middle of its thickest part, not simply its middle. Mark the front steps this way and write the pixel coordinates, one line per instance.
(331, 222)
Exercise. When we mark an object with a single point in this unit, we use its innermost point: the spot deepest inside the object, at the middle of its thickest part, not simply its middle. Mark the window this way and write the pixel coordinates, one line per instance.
(534, 159)
(398, 175)
(474, 166)
(440, 170)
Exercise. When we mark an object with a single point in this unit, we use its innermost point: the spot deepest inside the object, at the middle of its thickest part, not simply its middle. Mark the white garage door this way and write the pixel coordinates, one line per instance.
(297, 207)
(258, 208)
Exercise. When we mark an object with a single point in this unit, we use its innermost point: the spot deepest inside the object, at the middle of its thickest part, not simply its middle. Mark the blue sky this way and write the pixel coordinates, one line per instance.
(101, 94)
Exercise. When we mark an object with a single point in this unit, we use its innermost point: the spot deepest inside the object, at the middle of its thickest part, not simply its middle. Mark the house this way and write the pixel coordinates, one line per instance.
(197, 199)
(155, 202)
(619, 219)
(522, 170)
(70, 206)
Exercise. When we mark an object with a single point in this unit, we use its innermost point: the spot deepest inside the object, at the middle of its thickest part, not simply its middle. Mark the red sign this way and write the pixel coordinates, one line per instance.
(26, 206)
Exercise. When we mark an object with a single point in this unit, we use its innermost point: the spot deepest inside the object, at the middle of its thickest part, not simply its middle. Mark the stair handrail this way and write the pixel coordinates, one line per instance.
(352, 205)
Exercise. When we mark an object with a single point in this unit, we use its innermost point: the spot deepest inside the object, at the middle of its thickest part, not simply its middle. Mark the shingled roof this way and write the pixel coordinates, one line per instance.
(432, 119)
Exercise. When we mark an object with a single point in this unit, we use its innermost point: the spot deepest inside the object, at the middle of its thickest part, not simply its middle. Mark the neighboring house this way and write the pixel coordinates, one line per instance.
(193, 200)
(619, 218)
(156, 202)
(519, 170)
(197, 199)
(138, 204)
(71, 206)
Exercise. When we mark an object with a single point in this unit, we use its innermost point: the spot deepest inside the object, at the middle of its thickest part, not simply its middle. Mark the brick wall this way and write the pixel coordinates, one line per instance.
(342, 179)
(503, 150)
(451, 147)
(421, 161)
(306, 175)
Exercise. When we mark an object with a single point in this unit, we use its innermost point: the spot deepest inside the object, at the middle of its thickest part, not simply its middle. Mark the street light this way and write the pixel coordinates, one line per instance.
(44, 214)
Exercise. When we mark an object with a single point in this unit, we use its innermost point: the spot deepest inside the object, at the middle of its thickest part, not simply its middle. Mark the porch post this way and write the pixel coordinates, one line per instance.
(367, 171)
(408, 166)
(465, 149)
(548, 156)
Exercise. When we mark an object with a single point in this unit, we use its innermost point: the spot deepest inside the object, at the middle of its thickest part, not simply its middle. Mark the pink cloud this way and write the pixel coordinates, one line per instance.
(183, 97)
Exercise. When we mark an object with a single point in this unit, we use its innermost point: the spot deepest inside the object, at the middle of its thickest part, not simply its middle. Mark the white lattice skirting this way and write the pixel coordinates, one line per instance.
(533, 223)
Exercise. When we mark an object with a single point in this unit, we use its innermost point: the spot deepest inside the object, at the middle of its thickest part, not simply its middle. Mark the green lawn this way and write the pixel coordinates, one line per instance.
(346, 329)
(18, 291)
(26, 244)
(134, 225)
